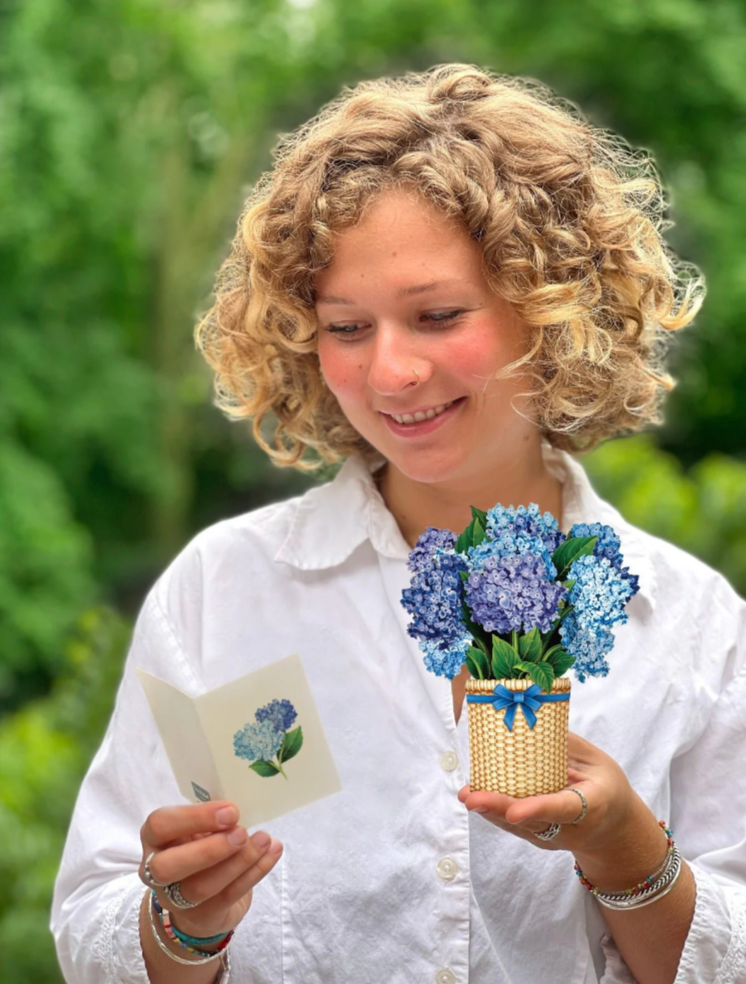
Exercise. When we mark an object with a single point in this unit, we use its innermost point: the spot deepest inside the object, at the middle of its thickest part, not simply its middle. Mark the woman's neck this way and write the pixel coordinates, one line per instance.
(417, 505)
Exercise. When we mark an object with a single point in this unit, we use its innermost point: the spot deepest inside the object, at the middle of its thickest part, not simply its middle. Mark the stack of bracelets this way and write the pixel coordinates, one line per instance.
(654, 887)
(189, 942)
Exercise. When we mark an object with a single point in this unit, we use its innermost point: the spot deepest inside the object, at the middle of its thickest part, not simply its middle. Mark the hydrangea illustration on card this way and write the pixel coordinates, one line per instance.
(269, 737)
(519, 603)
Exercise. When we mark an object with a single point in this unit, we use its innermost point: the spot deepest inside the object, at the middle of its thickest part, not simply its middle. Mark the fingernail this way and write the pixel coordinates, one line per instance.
(276, 848)
(261, 839)
(226, 816)
(481, 809)
(238, 836)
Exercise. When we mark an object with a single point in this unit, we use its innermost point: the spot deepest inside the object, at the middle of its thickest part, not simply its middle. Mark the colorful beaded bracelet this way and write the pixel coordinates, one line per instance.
(647, 883)
(223, 956)
(165, 918)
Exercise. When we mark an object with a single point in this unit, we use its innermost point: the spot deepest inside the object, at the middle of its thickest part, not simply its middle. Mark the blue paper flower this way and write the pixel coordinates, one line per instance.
(258, 741)
(280, 712)
(445, 662)
(608, 546)
(600, 592)
(436, 593)
(589, 645)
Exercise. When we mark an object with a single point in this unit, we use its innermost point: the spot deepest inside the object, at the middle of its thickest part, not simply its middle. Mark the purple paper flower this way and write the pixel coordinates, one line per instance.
(280, 712)
(514, 591)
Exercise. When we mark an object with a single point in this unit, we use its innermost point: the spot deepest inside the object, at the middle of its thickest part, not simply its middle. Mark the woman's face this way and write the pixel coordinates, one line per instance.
(409, 326)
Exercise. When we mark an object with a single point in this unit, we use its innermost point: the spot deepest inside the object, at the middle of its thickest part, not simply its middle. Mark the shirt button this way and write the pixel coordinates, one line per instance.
(447, 869)
(445, 976)
(449, 761)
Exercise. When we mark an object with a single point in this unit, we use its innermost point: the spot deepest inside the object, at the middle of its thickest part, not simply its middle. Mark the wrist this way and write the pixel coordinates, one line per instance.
(638, 848)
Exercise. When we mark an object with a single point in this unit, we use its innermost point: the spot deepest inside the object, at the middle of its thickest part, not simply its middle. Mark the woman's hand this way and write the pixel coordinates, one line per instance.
(216, 863)
(612, 805)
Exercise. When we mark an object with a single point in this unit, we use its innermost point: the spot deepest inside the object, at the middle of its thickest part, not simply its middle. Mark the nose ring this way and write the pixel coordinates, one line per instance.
(417, 375)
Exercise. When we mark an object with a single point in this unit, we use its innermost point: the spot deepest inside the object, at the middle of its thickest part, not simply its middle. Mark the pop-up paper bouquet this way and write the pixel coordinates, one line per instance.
(520, 604)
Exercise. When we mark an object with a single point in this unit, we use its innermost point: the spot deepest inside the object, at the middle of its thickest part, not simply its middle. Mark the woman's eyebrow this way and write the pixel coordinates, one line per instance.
(402, 292)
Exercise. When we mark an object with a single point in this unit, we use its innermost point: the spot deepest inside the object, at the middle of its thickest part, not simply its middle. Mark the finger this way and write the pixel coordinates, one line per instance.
(178, 862)
(210, 881)
(173, 823)
(562, 807)
(246, 881)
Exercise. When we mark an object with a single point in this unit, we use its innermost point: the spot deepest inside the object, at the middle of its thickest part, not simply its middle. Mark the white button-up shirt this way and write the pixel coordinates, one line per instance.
(392, 879)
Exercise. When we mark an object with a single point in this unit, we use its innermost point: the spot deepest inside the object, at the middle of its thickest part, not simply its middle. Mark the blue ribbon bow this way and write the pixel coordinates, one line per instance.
(528, 700)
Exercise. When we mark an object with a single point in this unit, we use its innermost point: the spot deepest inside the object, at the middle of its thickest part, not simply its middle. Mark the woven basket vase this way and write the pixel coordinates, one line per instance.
(525, 761)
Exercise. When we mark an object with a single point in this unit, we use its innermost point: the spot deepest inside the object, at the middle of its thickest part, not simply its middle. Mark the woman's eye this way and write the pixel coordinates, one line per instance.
(441, 316)
(343, 329)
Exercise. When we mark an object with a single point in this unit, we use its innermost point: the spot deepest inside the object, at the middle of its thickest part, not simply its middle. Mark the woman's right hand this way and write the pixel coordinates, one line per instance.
(216, 863)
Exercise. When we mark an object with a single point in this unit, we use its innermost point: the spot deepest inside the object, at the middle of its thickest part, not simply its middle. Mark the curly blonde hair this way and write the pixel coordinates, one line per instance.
(570, 222)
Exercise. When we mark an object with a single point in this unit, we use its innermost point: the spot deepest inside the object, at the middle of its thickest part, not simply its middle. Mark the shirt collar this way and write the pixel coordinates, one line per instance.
(334, 519)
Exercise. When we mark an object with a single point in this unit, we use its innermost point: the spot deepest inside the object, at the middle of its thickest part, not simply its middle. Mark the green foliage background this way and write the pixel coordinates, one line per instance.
(128, 131)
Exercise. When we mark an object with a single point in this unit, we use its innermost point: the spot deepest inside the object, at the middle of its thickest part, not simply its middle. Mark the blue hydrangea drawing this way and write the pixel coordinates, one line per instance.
(513, 597)
(269, 736)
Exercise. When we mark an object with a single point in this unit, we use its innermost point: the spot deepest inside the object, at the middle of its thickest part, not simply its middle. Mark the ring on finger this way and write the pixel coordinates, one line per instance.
(583, 800)
(148, 875)
(551, 832)
(173, 891)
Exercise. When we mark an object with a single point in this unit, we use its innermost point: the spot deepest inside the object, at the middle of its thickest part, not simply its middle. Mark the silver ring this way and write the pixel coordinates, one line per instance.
(549, 833)
(148, 875)
(583, 800)
(173, 891)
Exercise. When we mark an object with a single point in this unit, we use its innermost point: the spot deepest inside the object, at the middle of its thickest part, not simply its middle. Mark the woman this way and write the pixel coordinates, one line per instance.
(452, 283)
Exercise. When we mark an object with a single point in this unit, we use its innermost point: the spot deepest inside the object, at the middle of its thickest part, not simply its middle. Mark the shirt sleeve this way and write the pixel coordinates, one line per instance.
(708, 811)
(97, 894)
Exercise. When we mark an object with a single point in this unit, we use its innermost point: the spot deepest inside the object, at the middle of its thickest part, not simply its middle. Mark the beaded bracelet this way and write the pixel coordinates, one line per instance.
(222, 955)
(172, 933)
(666, 874)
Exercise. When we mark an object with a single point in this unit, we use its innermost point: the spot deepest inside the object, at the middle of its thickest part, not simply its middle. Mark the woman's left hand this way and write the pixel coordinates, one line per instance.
(612, 804)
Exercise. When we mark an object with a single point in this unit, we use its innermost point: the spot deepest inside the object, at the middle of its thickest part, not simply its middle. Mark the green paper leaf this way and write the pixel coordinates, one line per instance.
(479, 533)
(540, 673)
(263, 768)
(481, 663)
(559, 660)
(466, 539)
(472, 667)
(529, 646)
(291, 745)
(504, 659)
(570, 550)
(479, 514)
(464, 575)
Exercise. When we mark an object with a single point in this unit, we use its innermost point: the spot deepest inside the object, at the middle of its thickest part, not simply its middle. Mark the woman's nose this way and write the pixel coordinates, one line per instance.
(396, 366)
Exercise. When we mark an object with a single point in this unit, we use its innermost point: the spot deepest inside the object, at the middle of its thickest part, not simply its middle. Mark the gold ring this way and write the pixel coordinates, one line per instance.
(417, 375)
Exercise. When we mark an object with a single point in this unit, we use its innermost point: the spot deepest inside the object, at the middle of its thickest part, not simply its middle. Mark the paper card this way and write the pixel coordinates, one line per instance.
(257, 741)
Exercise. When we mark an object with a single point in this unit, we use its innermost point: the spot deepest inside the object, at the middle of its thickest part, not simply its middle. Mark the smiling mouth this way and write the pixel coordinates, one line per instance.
(416, 418)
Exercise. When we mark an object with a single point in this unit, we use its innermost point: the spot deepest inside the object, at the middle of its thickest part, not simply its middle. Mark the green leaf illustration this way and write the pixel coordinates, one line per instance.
(291, 745)
(570, 550)
(529, 646)
(541, 673)
(263, 768)
(466, 539)
(480, 663)
(479, 532)
(559, 660)
(504, 659)
(479, 514)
